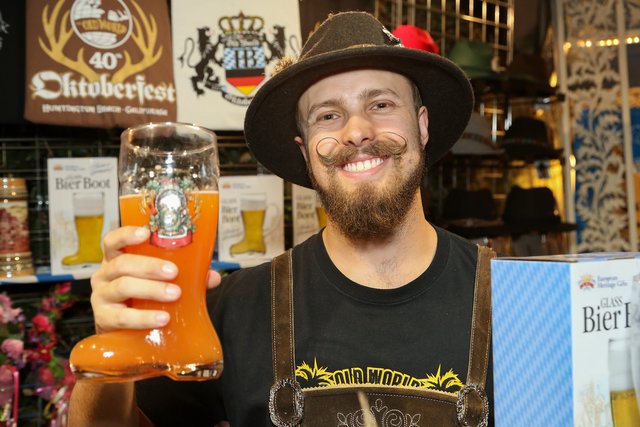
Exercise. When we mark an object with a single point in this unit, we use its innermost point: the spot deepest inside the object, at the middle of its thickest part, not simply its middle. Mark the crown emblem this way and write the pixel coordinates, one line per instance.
(240, 23)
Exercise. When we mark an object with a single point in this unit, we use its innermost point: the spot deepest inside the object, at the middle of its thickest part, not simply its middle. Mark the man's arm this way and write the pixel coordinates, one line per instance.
(105, 405)
(120, 278)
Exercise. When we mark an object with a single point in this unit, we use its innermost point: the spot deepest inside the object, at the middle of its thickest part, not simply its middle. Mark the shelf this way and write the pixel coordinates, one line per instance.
(45, 277)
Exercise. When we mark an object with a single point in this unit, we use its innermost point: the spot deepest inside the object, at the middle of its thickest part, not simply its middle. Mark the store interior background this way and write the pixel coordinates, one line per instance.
(592, 111)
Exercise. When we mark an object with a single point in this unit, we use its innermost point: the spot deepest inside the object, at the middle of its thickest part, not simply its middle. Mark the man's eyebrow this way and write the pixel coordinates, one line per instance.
(364, 95)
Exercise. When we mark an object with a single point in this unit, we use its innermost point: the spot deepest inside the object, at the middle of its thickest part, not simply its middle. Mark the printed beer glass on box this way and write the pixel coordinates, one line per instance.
(168, 183)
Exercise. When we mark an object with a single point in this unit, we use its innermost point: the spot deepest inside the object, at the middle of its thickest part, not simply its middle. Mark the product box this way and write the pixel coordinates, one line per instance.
(309, 215)
(562, 348)
(83, 207)
(251, 220)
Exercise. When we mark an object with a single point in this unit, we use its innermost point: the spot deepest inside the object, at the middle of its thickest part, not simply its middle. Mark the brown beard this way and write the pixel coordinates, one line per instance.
(369, 213)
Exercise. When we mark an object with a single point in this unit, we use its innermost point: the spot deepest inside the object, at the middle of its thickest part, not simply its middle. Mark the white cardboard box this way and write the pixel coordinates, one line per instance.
(251, 220)
(83, 207)
(561, 340)
(309, 215)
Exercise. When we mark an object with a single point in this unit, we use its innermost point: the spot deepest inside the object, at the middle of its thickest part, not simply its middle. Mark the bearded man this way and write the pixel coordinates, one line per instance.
(380, 315)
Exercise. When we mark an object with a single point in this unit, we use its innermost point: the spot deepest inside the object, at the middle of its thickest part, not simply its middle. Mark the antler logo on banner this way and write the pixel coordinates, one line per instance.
(239, 54)
(104, 49)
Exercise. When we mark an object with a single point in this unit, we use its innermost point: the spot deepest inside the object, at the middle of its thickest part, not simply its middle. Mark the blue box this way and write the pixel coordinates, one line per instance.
(558, 322)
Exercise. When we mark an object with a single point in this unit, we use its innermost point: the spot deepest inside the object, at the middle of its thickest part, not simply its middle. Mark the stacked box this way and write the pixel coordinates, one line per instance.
(83, 207)
(251, 222)
(563, 351)
(309, 216)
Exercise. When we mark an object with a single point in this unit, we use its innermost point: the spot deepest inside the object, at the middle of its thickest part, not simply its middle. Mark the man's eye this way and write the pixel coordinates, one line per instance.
(381, 105)
(326, 117)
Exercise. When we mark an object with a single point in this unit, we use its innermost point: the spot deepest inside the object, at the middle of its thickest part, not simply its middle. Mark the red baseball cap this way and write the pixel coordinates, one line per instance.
(416, 38)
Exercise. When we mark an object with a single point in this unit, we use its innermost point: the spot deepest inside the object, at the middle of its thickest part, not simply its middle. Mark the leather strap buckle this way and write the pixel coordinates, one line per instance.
(461, 408)
(298, 403)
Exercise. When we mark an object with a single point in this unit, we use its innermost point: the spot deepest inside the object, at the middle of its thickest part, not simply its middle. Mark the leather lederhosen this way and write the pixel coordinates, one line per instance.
(290, 405)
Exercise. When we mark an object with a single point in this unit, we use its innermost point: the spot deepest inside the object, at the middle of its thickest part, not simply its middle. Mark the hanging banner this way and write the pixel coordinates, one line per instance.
(99, 63)
(12, 35)
(224, 51)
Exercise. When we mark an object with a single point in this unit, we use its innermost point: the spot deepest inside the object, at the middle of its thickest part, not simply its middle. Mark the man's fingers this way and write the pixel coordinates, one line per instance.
(123, 289)
(115, 241)
(120, 317)
(213, 279)
(129, 265)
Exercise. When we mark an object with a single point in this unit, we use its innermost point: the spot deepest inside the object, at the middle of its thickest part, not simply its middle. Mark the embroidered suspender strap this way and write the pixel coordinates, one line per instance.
(472, 405)
(285, 397)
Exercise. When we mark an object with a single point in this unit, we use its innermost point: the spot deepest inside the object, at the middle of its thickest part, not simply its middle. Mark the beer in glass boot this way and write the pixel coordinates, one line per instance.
(88, 211)
(624, 405)
(168, 184)
(253, 211)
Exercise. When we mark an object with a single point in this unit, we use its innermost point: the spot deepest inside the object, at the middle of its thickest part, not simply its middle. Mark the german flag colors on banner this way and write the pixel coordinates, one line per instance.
(224, 51)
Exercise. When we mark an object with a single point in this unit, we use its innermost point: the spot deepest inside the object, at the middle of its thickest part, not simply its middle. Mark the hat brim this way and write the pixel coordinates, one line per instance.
(467, 147)
(270, 121)
(530, 151)
(523, 227)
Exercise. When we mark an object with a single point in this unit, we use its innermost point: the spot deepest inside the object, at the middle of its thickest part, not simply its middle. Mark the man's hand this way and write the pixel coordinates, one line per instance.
(123, 276)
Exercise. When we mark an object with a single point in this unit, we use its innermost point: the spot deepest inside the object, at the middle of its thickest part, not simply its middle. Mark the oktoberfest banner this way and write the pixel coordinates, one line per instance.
(224, 51)
(99, 63)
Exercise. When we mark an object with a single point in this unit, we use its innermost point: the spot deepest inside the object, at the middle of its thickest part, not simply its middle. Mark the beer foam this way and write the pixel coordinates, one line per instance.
(88, 204)
(620, 376)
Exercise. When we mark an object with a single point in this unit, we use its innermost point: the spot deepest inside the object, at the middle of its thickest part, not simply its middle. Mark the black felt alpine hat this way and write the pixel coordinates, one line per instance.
(349, 41)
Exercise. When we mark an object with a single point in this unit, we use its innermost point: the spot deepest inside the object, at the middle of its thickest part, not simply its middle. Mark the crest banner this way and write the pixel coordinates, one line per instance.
(224, 51)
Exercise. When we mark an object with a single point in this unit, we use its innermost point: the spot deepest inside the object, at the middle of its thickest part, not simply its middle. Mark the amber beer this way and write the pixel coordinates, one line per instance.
(321, 213)
(253, 210)
(161, 190)
(624, 406)
(88, 210)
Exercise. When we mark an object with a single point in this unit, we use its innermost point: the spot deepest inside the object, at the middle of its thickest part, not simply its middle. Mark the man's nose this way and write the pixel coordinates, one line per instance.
(357, 131)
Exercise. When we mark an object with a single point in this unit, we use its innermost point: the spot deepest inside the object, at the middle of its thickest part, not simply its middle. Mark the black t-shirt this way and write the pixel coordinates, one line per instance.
(345, 333)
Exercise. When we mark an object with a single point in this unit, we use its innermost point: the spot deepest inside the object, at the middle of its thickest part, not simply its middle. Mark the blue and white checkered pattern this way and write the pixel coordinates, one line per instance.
(238, 58)
(532, 343)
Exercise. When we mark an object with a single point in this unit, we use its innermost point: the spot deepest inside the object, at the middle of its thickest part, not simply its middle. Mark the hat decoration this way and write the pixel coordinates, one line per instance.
(344, 42)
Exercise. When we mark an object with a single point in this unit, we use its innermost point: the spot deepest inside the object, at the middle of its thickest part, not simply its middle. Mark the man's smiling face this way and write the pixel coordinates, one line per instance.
(364, 145)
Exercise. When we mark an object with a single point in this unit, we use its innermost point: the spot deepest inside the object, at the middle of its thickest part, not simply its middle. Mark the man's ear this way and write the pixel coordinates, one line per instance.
(423, 125)
(300, 143)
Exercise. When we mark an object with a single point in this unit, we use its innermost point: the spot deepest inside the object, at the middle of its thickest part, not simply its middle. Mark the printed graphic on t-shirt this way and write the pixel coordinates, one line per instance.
(319, 376)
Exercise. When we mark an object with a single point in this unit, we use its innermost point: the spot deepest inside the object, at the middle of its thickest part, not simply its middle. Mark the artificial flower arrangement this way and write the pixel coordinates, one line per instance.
(28, 353)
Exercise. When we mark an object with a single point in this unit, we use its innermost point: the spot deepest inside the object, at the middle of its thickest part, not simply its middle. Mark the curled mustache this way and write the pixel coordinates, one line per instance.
(384, 144)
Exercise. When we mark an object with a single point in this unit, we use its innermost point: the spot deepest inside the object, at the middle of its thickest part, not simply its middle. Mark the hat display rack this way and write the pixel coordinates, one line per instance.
(472, 191)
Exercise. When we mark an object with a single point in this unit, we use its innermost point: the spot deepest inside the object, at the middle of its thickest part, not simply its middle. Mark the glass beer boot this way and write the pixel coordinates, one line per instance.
(169, 185)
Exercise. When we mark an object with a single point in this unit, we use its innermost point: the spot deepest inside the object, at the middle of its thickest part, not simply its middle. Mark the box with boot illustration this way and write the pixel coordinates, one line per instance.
(309, 216)
(251, 220)
(83, 207)
(563, 349)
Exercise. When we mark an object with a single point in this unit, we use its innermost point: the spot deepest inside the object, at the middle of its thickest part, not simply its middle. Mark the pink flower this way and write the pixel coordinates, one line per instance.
(41, 323)
(6, 374)
(8, 314)
(63, 288)
(13, 348)
(45, 376)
